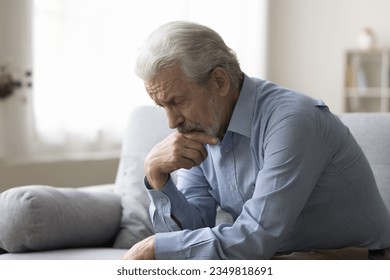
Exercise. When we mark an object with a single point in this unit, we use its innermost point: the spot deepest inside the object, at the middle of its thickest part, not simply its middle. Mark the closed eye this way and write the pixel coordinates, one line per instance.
(159, 105)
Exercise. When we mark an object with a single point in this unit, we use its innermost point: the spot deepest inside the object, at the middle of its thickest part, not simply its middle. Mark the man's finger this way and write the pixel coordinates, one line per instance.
(201, 137)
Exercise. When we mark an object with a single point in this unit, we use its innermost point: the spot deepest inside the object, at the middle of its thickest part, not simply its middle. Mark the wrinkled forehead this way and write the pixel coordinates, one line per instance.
(170, 81)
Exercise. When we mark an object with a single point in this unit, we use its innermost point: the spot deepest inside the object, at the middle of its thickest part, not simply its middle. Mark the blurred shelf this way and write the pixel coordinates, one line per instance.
(367, 83)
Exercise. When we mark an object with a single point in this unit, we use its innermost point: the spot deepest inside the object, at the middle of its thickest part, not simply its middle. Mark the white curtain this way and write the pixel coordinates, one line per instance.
(84, 52)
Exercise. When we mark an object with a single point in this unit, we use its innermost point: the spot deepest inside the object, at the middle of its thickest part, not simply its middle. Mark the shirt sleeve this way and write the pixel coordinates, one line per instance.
(171, 210)
(294, 157)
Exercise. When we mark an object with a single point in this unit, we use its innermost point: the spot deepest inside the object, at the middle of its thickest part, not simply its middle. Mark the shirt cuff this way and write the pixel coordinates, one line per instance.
(166, 193)
(169, 193)
(169, 246)
(161, 207)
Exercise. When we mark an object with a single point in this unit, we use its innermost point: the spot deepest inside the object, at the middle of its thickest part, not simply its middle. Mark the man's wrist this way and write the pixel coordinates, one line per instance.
(152, 187)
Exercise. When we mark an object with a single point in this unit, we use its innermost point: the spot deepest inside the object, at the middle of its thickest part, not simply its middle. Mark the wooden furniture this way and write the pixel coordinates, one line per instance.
(367, 85)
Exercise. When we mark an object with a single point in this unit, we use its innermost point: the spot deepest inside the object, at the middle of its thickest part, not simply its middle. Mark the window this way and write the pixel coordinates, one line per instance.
(84, 52)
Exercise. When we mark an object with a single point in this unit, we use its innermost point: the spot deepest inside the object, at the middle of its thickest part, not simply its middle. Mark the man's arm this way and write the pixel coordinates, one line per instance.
(170, 210)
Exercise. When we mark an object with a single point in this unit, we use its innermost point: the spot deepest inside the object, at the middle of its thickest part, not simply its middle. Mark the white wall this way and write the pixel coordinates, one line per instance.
(2, 55)
(16, 55)
(308, 40)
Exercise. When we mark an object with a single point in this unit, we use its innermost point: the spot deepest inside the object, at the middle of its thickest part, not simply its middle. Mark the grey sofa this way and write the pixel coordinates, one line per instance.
(102, 222)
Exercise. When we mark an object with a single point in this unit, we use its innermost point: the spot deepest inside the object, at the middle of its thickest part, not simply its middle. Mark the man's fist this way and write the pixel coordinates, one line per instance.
(178, 150)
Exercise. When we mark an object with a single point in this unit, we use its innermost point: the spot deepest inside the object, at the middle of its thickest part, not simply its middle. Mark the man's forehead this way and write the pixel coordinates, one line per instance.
(160, 86)
(166, 75)
(166, 83)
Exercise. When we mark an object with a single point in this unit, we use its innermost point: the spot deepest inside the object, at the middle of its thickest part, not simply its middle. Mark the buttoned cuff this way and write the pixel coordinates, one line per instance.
(161, 207)
(169, 193)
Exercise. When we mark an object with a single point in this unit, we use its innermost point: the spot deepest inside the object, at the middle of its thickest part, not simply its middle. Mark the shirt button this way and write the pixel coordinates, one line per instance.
(164, 200)
(227, 149)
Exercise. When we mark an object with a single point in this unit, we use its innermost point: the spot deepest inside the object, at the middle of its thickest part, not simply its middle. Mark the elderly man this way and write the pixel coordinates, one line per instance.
(288, 171)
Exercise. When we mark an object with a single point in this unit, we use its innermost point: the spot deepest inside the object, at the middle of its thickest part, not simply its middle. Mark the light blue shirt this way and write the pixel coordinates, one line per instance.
(290, 174)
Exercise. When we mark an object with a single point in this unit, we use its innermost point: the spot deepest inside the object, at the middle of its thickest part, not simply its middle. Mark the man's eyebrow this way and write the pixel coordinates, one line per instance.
(171, 100)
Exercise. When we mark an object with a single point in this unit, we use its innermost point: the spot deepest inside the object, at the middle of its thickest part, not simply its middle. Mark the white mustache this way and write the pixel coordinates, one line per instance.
(190, 127)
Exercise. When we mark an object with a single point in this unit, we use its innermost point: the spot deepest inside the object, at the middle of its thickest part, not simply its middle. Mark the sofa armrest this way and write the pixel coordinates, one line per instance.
(98, 188)
(35, 218)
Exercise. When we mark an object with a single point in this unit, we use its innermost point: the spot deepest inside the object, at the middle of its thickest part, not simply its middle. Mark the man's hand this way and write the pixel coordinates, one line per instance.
(178, 150)
(143, 250)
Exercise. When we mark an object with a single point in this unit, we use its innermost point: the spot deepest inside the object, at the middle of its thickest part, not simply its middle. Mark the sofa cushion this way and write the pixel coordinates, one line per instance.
(146, 127)
(34, 218)
(372, 132)
(68, 254)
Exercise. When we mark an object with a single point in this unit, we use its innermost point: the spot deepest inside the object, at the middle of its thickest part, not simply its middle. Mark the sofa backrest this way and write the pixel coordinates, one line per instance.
(146, 127)
(372, 132)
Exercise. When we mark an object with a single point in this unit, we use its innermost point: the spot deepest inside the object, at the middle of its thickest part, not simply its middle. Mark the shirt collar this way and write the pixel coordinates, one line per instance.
(241, 121)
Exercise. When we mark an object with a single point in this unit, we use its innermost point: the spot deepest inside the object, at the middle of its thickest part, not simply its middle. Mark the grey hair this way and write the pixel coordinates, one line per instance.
(197, 49)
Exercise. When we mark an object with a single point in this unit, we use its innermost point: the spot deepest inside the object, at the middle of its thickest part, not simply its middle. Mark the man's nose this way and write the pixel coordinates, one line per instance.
(175, 118)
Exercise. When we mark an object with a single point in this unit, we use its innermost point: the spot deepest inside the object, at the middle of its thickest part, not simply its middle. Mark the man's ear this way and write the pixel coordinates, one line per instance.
(221, 80)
